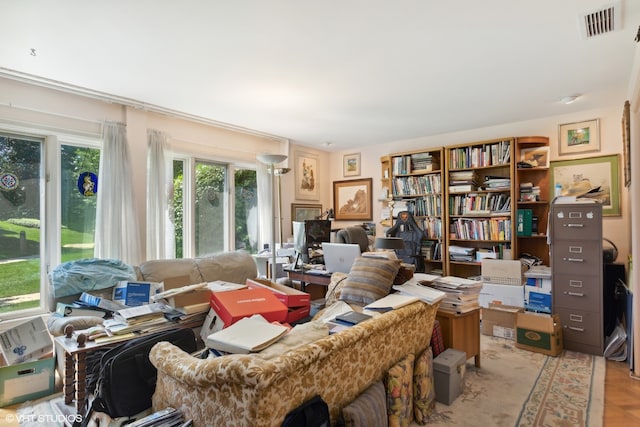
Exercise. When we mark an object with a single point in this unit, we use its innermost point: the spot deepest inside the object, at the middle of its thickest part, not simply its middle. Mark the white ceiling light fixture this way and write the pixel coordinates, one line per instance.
(570, 99)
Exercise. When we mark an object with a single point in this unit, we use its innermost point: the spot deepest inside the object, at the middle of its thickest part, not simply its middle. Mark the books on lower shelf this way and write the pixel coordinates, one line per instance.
(249, 334)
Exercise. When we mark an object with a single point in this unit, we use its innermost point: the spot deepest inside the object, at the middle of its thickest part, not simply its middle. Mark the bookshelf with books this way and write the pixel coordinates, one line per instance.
(532, 186)
(385, 198)
(417, 186)
(479, 213)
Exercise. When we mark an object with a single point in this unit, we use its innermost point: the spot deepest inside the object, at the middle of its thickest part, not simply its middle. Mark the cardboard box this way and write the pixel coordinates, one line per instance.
(537, 299)
(539, 332)
(504, 294)
(502, 271)
(212, 323)
(134, 294)
(288, 296)
(298, 313)
(448, 375)
(500, 320)
(26, 342)
(27, 381)
(232, 306)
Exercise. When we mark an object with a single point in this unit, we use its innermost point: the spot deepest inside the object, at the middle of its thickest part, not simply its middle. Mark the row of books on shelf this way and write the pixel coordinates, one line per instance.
(431, 250)
(432, 227)
(481, 228)
(430, 205)
(417, 185)
(490, 154)
(413, 163)
(479, 203)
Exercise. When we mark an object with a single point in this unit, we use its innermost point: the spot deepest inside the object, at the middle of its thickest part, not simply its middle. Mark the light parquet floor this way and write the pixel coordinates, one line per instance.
(621, 396)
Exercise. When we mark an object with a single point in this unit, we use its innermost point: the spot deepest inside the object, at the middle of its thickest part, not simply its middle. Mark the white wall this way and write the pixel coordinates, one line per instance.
(615, 228)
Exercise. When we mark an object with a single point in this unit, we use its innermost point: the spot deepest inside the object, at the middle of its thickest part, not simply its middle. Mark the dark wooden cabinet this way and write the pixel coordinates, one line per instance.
(577, 269)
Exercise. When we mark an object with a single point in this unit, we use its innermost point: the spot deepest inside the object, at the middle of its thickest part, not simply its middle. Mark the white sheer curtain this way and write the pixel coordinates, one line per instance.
(160, 230)
(264, 204)
(116, 220)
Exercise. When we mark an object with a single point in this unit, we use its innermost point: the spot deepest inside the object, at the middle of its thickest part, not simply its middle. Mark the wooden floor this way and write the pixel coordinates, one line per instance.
(621, 396)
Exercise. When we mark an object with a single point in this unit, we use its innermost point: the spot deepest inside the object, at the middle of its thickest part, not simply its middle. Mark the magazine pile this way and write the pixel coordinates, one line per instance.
(460, 295)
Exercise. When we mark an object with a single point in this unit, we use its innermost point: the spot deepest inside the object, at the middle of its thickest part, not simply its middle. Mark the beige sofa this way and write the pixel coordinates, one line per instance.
(248, 390)
(234, 267)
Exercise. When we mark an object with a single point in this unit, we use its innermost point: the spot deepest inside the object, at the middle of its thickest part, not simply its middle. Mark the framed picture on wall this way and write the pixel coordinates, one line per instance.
(306, 176)
(352, 200)
(301, 212)
(579, 137)
(596, 178)
(351, 164)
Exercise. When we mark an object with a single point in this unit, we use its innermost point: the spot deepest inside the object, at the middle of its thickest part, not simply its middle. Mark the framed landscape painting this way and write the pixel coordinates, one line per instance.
(352, 200)
(579, 137)
(301, 212)
(596, 178)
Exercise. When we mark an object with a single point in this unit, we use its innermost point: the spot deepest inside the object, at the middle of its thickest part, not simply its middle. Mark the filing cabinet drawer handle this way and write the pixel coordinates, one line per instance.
(575, 225)
(573, 259)
(575, 294)
(573, 328)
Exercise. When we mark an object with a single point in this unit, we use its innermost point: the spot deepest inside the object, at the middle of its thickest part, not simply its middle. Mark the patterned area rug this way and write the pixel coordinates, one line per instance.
(516, 387)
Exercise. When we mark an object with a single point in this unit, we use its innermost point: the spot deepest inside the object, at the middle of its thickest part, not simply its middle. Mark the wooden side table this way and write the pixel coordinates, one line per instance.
(462, 332)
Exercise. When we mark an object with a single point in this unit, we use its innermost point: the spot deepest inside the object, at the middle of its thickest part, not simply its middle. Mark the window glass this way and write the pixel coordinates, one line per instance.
(211, 223)
(79, 189)
(246, 210)
(21, 189)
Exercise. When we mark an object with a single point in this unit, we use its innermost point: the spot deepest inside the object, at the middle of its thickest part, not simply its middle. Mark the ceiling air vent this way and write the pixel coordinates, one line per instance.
(602, 21)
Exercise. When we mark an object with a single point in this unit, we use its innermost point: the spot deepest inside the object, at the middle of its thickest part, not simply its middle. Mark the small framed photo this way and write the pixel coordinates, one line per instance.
(580, 137)
(352, 200)
(351, 164)
(535, 157)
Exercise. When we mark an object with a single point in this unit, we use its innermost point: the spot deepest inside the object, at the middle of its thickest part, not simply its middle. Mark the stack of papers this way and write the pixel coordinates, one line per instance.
(391, 302)
(420, 291)
(461, 295)
(249, 334)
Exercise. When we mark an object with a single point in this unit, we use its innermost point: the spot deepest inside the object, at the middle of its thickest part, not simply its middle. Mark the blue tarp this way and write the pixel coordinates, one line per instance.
(85, 275)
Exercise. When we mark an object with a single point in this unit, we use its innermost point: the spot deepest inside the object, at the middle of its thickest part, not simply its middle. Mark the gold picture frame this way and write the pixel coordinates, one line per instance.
(579, 137)
(352, 200)
(626, 142)
(351, 164)
(306, 175)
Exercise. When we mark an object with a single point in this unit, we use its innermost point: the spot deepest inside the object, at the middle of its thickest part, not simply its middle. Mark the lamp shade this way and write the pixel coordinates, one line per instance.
(271, 159)
(389, 243)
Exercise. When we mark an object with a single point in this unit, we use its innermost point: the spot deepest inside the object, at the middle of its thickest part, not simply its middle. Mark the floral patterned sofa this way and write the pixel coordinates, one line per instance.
(249, 390)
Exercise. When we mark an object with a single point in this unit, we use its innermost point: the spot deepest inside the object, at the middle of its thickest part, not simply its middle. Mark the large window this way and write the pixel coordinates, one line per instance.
(207, 219)
(68, 213)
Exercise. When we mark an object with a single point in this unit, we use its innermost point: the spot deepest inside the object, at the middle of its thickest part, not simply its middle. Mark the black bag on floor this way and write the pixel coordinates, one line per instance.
(312, 413)
(127, 378)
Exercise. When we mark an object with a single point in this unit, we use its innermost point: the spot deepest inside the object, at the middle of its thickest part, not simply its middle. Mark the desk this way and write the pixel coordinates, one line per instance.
(462, 332)
(309, 279)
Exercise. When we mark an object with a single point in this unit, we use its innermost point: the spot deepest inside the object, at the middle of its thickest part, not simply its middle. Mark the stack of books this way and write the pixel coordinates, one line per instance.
(497, 183)
(460, 295)
(462, 253)
(529, 192)
(463, 181)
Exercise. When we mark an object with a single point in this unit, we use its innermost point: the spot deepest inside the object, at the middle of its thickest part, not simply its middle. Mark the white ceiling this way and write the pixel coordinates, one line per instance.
(345, 72)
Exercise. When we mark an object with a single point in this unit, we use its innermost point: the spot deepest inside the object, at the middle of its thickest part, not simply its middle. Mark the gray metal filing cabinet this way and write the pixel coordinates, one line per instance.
(576, 262)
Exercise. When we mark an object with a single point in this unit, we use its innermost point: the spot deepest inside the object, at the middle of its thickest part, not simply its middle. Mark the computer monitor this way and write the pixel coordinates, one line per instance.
(308, 237)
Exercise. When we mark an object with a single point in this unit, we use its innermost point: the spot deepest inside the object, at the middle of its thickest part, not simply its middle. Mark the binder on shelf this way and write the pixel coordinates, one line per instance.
(524, 222)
